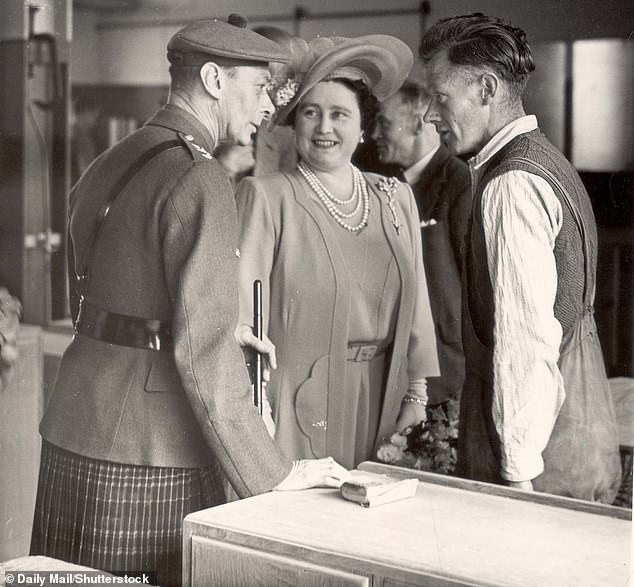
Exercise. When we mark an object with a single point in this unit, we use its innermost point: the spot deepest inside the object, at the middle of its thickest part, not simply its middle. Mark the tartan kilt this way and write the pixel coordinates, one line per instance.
(116, 517)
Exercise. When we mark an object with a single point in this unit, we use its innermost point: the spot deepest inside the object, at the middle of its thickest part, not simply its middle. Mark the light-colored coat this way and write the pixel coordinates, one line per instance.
(288, 243)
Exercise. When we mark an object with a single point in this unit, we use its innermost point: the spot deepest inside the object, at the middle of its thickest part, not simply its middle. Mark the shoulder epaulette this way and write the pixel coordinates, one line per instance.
(196, 150)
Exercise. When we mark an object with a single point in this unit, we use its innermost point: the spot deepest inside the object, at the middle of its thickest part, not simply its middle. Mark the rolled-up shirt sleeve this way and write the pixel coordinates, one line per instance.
(522, 218)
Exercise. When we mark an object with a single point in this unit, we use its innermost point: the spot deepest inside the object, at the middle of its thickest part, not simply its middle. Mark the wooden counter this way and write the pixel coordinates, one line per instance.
(465, 534)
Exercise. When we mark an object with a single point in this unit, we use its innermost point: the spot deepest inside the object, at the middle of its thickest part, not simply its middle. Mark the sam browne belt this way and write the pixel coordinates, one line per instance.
(107, 326)
(154, 335)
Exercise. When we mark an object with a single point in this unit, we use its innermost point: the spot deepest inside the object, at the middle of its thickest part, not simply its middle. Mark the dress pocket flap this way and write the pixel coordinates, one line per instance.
(311, 406)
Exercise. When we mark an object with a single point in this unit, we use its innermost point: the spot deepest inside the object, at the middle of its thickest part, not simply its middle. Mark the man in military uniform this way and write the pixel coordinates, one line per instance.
(152, 398)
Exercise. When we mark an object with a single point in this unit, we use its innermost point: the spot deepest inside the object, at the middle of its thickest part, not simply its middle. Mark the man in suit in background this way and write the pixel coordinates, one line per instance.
(152, 397)
(441, 187)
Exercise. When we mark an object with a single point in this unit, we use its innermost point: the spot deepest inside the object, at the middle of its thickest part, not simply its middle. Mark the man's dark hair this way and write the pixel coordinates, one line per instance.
(185, 76)
(413, 93)
(477, 41)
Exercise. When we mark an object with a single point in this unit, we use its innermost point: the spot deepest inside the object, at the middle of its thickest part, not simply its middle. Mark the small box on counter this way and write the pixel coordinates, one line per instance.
(372, 489)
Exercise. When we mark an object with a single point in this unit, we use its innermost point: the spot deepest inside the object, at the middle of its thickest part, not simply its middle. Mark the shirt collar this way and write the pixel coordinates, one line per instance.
(413, 174)
(504, 136)
(179, 120)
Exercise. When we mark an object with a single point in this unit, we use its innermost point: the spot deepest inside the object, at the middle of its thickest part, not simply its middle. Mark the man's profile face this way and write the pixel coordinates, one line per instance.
(246, 102)
(394, 132)
(456, 108)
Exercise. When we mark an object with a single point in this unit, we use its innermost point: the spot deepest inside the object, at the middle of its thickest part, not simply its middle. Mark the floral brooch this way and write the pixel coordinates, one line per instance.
(389, 185)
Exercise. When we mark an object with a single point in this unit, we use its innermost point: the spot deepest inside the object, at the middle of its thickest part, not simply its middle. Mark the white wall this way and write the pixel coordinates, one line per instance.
(134, 56)
(85, 49)
(123, 47)
(603, 105)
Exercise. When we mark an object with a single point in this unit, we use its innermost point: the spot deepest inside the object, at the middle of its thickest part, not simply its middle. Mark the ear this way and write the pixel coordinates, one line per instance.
(490, 84)
(212, 78)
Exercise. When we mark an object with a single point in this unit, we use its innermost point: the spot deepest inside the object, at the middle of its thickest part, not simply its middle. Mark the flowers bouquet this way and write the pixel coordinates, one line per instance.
(10, 310)
(430, 446)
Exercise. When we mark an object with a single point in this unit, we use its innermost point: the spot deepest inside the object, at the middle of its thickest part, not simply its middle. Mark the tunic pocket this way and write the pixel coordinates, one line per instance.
(163, 375)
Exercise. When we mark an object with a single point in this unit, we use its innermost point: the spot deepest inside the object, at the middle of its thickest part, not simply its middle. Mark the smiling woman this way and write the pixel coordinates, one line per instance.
(328, 125)
(338, 253)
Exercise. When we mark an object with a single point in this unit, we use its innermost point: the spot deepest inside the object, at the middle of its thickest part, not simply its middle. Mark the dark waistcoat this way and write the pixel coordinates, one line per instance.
(568, 251)
(581, 458)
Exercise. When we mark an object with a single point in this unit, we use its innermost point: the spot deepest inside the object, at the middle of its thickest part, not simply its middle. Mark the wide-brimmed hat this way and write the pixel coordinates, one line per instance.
(382, 62)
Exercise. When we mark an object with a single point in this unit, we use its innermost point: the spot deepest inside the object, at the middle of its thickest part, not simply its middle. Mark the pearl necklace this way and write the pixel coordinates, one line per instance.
(359, 191)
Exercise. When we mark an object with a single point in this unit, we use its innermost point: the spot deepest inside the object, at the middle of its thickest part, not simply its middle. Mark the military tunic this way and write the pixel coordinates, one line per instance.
(167, 250)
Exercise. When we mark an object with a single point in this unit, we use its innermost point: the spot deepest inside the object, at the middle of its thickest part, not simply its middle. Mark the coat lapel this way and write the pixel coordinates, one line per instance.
(428, 189)
(335, 441)
(401, 244)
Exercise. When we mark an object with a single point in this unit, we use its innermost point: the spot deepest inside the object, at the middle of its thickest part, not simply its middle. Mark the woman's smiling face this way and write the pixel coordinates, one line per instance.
(328, 126)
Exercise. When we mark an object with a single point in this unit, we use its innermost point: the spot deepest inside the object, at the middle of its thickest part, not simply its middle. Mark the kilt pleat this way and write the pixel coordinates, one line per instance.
(118, 517)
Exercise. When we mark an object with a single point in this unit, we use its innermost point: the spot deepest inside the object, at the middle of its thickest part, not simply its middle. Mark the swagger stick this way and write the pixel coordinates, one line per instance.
(257, 331)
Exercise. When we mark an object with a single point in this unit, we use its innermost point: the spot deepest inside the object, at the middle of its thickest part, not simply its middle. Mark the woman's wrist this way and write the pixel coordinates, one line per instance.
(410, 398)
(416, 392)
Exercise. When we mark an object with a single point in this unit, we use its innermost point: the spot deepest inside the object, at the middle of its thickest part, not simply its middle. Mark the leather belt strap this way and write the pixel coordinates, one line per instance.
(83, 273)
(154, 335)
(365, 351)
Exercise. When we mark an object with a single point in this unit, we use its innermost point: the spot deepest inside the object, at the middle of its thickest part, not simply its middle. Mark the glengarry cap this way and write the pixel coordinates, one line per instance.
(228, 43)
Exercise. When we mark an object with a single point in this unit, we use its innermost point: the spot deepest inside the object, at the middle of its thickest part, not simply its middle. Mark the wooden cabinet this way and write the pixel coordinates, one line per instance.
(453, 532)
(249, 566)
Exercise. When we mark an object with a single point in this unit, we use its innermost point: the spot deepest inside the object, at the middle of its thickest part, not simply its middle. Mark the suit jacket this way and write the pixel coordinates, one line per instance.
(167, 250)
(443, 196)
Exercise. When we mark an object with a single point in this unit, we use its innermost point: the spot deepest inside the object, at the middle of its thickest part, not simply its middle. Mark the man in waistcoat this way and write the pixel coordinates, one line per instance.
(152, 398)
(536, 411)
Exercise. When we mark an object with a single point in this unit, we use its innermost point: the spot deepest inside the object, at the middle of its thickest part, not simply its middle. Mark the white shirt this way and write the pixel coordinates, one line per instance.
(412, 174)
(522, 218)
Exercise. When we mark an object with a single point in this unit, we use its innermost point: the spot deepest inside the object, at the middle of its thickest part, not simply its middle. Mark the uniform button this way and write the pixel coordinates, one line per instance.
(238, 253)
(189, 138)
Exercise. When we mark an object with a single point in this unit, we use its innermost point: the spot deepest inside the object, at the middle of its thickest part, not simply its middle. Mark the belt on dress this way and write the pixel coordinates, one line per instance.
(365, 351)
(141, 333)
